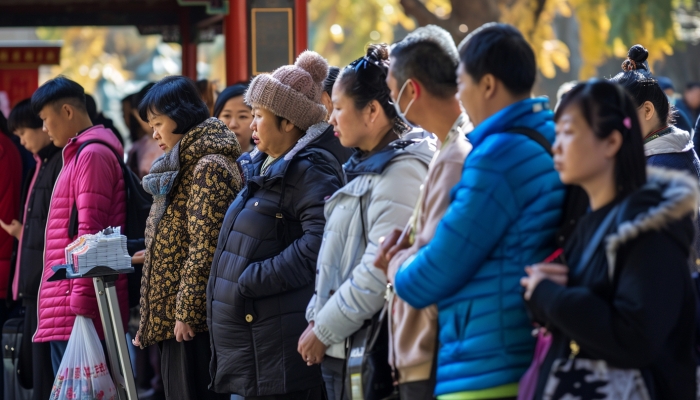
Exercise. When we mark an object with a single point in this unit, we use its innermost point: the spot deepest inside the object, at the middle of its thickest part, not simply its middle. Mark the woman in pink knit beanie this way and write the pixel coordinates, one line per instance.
(264, 268)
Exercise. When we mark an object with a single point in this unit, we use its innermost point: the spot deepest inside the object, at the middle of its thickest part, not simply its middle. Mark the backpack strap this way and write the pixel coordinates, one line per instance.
(73, 222)
(534, 135)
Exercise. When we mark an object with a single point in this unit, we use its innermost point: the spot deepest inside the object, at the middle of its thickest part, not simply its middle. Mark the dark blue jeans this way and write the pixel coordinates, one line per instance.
(58, 349)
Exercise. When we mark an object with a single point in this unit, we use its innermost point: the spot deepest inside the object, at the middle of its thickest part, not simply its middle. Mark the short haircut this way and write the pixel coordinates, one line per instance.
(59, 89)
(23, 116)
(502, 51)
(177, 98)
(692, 85)
(429, 55)
(91, 106)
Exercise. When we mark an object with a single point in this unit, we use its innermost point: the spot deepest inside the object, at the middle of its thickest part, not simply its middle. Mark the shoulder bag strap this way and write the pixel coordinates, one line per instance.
(534, 135)
(597, 238)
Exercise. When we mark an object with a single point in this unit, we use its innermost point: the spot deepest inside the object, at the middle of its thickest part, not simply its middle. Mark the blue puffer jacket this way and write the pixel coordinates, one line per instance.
(503, 216)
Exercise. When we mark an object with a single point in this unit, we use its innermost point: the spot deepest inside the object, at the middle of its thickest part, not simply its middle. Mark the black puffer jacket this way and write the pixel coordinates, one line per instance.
(264, 269)
(36, 197)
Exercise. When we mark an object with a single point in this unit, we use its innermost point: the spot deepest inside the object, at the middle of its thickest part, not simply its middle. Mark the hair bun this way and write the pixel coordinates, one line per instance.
(638, 54)
(314, 64)
(377, 53)
(636, 57)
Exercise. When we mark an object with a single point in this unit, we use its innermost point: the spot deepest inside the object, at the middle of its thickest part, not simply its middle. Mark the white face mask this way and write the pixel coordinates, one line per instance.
(397, 107)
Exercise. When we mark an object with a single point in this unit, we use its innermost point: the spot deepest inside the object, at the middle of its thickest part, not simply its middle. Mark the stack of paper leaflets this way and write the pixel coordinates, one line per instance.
(105, 249)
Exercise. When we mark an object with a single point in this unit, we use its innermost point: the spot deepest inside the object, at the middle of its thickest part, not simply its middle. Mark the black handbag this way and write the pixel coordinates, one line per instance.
(368, 373)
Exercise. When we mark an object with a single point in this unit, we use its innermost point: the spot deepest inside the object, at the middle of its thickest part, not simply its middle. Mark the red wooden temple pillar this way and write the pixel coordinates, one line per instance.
(301, 26)
(236, 43)
(261, 35)
(189, 45)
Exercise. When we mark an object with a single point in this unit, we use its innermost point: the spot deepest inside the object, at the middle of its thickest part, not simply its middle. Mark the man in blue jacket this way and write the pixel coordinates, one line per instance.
(504, 215)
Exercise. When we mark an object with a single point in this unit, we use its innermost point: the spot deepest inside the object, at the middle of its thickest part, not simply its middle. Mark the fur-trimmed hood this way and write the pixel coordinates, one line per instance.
(667, 197)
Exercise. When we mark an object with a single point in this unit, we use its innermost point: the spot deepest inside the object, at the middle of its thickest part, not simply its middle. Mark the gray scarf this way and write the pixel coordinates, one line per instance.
(159, 182)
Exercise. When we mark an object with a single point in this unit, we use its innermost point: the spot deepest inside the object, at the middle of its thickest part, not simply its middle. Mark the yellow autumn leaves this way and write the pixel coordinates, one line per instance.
(342, 28)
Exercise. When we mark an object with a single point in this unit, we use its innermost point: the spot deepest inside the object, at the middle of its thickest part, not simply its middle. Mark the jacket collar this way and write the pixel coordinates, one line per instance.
(95, 132)
(362, 164)
(668, 196)
(210, 137)
(46, 153)
(671, 140)
(312, 138)
(526, 113)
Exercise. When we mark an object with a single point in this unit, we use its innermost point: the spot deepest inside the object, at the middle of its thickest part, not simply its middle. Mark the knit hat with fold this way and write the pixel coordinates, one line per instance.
(293, 92)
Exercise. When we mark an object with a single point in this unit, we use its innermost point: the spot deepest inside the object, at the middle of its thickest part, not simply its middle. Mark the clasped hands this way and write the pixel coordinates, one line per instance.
(556, 273)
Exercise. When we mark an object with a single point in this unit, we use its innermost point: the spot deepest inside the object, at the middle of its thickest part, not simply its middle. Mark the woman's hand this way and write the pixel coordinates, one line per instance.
(183, 332)
(136, 341)
(139, 257)
(388, 246)
(13, 229)
(311, 349)
(556, 273)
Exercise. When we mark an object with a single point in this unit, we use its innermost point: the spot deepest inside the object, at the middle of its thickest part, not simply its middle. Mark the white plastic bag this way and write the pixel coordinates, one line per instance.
(83, 374)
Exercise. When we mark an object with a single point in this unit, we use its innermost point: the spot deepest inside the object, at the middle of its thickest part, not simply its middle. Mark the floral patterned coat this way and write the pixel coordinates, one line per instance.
(175, 275)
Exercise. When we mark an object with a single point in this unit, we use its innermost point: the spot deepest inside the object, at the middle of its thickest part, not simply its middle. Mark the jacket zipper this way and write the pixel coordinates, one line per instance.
(43, 267)
(15, 278)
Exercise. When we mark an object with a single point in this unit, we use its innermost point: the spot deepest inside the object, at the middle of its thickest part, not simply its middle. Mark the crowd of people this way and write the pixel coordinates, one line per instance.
(486, 244)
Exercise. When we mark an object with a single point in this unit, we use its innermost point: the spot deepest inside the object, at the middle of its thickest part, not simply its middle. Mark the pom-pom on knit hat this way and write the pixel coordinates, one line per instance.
(293, 92)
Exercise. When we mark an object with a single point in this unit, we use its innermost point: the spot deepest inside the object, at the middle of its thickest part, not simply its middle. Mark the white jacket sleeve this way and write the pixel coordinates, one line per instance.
(310, 309)
(389, 206)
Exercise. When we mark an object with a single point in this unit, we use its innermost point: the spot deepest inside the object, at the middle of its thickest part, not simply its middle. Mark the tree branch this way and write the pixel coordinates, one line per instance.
(420, 12)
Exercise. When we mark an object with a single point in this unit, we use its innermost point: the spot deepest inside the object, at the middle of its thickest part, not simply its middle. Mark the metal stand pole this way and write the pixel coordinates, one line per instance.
(115, 338)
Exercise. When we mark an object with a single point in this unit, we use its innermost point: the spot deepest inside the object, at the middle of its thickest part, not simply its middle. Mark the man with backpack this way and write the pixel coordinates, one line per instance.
(89, 196)
(504, 215)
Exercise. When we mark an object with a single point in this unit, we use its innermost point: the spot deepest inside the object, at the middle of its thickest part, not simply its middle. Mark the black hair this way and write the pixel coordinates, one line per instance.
(429, 55)
(692, 85)
(502, 51)
(134, 99)
(91, 107)
(23, 116)
(364, 80)
(637, 80)
(138, 96)
(177, 98)
(59, 89)
(227, 94)
(607, 107)
(330, 80)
